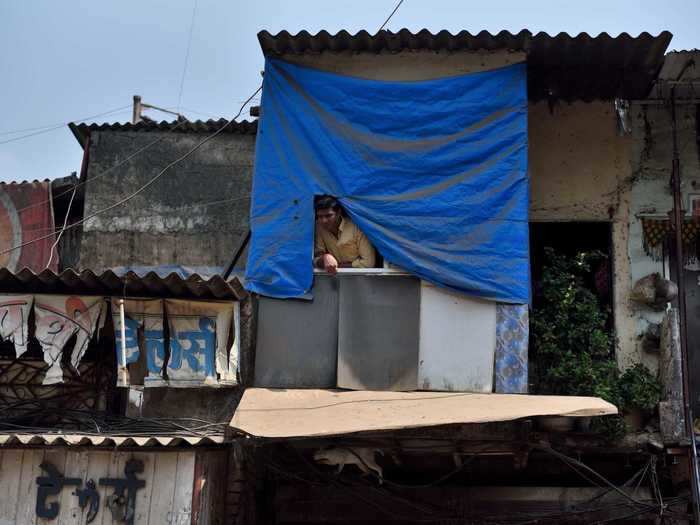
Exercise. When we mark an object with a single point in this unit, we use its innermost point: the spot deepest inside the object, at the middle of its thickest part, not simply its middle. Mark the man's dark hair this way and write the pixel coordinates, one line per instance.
(323, 202)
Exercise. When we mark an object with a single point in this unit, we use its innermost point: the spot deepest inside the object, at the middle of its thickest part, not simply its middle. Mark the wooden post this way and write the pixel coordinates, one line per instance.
(136, 114)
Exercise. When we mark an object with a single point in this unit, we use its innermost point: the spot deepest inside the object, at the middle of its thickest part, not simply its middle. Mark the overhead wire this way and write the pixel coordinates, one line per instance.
(65, 223)
(53, 127)
(145, 186)
(390, 16)
(102, 174)
(187, 56)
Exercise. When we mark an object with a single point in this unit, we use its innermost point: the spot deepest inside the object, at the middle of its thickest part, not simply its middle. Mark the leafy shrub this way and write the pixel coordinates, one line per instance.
(573, 346)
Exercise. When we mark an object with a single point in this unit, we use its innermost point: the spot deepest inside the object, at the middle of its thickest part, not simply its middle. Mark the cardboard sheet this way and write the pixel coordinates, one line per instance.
(305, 413)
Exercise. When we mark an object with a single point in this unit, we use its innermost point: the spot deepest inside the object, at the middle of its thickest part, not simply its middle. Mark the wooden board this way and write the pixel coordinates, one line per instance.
(166, 498)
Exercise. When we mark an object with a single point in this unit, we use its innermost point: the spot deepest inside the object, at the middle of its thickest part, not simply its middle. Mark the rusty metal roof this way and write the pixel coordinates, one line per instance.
(130, 284)
(245, 127)
(562, 66)
(18, 439)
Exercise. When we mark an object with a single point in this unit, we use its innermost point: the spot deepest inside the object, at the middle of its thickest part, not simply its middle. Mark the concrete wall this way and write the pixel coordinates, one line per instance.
(650, 194)
(181, 218)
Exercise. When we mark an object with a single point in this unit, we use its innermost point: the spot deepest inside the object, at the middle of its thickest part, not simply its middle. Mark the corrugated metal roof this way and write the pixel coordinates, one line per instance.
(561, 66)
(105, 440)
(129, 284)
(245, 127)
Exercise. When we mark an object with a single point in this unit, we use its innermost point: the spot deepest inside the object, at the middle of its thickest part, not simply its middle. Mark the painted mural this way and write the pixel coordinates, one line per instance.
(26, 215)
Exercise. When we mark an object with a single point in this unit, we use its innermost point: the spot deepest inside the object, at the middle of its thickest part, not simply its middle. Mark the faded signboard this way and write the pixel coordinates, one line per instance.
(26, 215)
(85, 491)
(14, 320)
(143, 328)
(58, 318)
(198, 343)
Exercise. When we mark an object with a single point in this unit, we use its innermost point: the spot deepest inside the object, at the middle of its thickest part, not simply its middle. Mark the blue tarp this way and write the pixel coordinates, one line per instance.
(433, 172)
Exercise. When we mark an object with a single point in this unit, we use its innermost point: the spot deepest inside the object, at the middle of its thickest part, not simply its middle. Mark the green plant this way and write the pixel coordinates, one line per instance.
(573, 347)
(638, 388)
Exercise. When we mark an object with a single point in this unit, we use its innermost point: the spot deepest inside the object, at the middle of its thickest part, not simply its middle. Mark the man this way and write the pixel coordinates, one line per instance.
(339, 243)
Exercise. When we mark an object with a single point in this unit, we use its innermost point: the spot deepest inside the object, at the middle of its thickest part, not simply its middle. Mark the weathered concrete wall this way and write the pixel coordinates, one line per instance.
(650, 194)
(577, 162)
(580, 171)
(195, 214)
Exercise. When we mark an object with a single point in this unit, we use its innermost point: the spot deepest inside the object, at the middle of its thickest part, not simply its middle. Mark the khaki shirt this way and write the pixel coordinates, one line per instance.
(351, 245)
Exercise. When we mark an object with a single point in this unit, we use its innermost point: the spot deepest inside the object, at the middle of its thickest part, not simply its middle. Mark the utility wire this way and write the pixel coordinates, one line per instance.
(53, 127)
(187, 56)
(145, 186)
(65, 223)
(392, 14)
(108, 170)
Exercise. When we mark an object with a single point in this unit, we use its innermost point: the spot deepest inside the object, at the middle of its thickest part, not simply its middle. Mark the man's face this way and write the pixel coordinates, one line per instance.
(328, 218)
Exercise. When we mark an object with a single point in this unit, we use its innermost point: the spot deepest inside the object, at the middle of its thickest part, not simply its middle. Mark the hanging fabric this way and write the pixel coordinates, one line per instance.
(14, 320)
(433, 172)
(58, 318)
(198, 343)
(143, 326)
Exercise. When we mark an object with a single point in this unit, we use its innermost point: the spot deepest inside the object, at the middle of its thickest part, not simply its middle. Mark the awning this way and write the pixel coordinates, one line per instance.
(274, 413)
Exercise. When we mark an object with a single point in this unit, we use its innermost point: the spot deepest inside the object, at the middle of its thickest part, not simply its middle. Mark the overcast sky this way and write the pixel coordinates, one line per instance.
(66, 60)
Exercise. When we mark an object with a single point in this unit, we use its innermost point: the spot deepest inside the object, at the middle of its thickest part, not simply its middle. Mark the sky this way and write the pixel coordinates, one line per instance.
(63, 61)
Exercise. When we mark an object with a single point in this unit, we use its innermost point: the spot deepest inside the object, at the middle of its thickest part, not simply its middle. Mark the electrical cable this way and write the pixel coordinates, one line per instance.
(55, 126)
(108, 170)
(146, 185)
(65, 222)
(391, 15)
(187, 56)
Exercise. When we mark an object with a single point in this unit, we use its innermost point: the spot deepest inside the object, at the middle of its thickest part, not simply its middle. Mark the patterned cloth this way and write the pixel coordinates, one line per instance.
(656, 231)
(512, 335)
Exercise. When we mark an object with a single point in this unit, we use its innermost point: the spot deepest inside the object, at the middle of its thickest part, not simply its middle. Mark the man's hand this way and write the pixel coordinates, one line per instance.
(329, 263)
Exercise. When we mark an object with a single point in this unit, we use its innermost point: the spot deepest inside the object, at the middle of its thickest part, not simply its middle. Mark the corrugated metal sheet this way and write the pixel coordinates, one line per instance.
(245, 127)
(683, 66)
(105, 440)
(129, 284)
(561, 66)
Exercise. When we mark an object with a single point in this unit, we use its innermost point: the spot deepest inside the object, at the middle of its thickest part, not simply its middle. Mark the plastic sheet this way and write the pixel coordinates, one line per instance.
(434, 173)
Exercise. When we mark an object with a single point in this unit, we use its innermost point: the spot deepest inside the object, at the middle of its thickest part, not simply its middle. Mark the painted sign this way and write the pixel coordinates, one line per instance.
(122, 503)
(143, 327)
(14, 317)
(58, 318)
(198, 345)
(26, 214)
